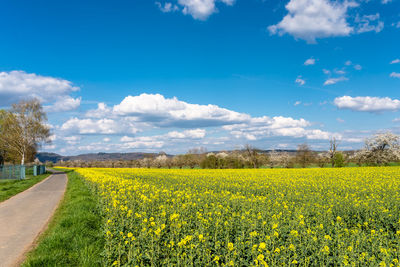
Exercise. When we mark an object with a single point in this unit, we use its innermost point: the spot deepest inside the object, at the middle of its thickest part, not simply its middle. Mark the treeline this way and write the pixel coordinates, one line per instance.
(381, 149)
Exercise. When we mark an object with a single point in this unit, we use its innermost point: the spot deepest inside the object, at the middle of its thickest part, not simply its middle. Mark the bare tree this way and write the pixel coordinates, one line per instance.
(332, 150)
(304, 155)
(252, 155)
(24, 129)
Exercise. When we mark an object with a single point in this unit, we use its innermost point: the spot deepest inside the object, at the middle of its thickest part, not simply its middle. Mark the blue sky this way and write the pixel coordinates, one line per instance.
(144, 75)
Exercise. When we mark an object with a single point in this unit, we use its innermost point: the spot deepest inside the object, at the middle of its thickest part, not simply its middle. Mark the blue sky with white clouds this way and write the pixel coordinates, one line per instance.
(144, 75)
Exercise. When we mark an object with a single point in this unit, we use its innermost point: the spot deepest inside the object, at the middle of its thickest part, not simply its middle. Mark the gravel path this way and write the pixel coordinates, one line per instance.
(24, 216)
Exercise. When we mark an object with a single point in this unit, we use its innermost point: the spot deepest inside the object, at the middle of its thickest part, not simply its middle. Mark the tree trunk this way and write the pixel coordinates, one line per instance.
(23, 159)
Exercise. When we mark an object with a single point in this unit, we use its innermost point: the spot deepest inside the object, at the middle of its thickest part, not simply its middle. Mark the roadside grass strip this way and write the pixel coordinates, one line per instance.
(9, 188)
(74, 236)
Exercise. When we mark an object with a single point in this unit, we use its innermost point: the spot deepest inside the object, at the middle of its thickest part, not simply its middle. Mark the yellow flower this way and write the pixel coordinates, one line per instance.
(262, 246)
(326, 250)
(230, 246)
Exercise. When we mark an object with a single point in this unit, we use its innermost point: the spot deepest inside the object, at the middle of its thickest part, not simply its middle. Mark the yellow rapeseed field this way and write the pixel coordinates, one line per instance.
(278, 217)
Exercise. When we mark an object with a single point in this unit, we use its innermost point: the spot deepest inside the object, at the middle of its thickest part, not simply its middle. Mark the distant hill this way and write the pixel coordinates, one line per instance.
(53, 157)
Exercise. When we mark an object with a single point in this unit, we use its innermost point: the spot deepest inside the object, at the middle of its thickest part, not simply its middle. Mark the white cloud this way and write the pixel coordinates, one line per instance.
(348, 63)
(367, 103)
(300, 81)
(101, 126)
(340, 72)
(201, 9)
(167, 7)
(166, 112)
(188, 134)
(17, 85)
(72, 140)
(331, 81)
(339, 120)
(106, 139)
(102, 111)
(395, 61)
(396, 120)
(65, 103)
(312, 19)
(325, 71)
(310, 61)
(264, 127)
(297, 103)
(395, 75)
(365, 23)
(357, 67)
(386, 1)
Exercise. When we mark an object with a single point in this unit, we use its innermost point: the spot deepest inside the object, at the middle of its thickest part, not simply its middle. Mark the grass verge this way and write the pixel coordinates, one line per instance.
(9, 188)
(74, 236)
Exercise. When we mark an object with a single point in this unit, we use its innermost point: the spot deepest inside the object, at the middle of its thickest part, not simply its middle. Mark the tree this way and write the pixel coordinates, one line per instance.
(381, 149)
(338, 160)
(332, 150)
(322, 159)
(304, 155)
(23, 129)
(253, 156)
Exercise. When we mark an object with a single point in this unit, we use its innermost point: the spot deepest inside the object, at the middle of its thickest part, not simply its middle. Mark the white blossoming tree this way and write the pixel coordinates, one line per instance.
(381, 149)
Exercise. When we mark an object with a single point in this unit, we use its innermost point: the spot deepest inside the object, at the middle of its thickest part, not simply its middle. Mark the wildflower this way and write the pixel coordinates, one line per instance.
(262, 246)
(230, 246)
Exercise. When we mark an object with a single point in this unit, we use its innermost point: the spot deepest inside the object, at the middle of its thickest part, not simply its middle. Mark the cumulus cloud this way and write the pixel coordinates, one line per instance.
(167, 7)
(395, 75)
(161, 140)
(310, 61)
(167, 112)
(367, 103)
(97, 126)
(395, 61)
(300, 81)
(264, 127)
(198, 9)
(17, 85)
(188, 134)
(65, 103)
(331, 81)
(312, 19)
(368, 23)
(101, 111)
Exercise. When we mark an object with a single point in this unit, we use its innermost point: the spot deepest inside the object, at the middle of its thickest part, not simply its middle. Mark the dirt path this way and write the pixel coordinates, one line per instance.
(24, 216)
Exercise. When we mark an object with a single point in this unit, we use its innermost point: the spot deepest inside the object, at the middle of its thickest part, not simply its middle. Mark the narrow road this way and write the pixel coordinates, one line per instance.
(24, 216)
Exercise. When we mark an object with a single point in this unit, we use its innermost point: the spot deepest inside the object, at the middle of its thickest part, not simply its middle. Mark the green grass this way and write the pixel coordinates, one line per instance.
(9, 188)
(75, 234)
